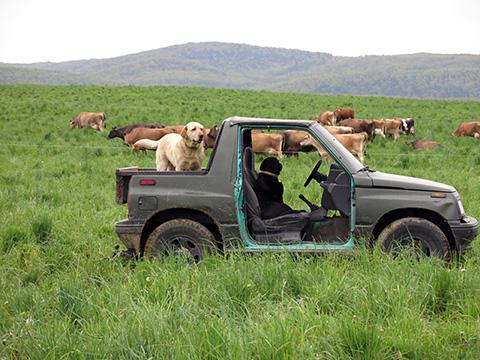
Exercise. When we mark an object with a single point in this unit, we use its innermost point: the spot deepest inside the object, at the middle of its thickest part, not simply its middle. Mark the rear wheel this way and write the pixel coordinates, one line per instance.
(181, 237)
(416, 236)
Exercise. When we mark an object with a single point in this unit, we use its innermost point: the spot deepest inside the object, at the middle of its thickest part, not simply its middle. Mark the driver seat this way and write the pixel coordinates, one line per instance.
(285, 229)
(249, 165)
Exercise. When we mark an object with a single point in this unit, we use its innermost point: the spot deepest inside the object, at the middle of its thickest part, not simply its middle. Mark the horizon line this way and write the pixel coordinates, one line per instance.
(231, 43)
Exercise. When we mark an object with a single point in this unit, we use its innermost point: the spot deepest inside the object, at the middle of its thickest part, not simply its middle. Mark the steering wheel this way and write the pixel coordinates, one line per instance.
(312, 174)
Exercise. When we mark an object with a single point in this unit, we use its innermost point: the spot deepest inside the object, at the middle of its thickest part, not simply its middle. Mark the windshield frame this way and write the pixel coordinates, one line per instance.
(331, 144)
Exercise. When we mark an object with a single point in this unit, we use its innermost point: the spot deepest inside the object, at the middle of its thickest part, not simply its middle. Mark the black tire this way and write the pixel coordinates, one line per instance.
(418, 236)
(180, 237)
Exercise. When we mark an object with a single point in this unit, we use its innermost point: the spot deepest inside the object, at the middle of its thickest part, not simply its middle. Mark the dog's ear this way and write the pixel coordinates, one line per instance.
(183, 133)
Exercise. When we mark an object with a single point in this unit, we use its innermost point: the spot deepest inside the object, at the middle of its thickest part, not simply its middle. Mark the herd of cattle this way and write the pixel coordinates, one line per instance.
(352, 133)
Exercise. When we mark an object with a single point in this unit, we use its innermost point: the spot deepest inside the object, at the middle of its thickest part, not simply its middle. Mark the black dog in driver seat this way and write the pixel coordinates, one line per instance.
(290, 228)
(269, 190)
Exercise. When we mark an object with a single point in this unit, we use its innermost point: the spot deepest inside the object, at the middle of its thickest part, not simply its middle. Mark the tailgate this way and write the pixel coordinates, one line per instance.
(123, 176)
(123, 180)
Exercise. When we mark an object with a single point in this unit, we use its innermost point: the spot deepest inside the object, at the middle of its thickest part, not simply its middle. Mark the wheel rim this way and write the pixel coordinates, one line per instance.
(410, 245)
(184, 246)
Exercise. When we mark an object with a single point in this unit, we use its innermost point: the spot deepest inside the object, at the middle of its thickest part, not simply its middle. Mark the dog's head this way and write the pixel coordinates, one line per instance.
(193, 134)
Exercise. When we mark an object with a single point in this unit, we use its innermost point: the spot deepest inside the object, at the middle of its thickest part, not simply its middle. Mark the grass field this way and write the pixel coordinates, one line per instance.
(62, 296)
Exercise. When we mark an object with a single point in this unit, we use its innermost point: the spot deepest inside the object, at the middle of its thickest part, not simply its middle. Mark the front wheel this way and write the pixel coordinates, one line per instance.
(417, 236)
(180, 237)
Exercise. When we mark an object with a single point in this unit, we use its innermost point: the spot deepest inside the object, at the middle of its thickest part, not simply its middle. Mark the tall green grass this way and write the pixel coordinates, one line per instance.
(62, 295)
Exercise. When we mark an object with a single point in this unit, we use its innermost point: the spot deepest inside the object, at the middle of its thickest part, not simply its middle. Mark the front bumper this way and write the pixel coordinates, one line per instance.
(129, 232)
(464, 231)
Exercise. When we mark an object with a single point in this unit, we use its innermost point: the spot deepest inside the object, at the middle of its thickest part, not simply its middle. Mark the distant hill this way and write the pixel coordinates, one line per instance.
(263, 68)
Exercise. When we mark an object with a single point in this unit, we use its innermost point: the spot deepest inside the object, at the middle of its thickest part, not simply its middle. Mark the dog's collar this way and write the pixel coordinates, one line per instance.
(268, 173)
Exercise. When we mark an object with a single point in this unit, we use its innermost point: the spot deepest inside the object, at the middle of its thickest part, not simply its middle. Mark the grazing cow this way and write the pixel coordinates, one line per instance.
(143, 145)
(423, 144)
(408, 126)
(393, 128)
(121, 132)
(153, 134)
(211, 137)
(471, 128)
(354, 143)
(267, 143)
(308, 140)
(95, 120)
(292, 140)
(343, 114)
(334, 130)
(379, 126)
(359, 125)
(326, 118)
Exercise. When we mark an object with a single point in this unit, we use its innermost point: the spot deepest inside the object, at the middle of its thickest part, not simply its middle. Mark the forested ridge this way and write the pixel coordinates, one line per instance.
(224, 65)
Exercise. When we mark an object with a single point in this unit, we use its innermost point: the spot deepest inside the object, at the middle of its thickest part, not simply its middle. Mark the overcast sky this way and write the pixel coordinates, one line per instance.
(60, 30)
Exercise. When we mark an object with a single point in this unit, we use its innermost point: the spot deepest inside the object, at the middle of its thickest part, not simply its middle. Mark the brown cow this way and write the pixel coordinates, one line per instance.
(326, 118)
(379, 126)
(393, 128)
(95, 120)
(471, 128)
(211, 137)
(343, 114)
(267, 143)
(354, 143)
(335, 130)
(423, 144)
(121, 132)
(292, 140)
(308, 140)
(153, 134)
(360, 125)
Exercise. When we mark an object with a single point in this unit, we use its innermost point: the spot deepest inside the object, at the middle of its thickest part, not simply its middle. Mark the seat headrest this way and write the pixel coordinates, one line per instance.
(248, 157)
(247, 166)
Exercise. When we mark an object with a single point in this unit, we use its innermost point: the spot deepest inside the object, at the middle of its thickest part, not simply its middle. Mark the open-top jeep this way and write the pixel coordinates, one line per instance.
(216, 208)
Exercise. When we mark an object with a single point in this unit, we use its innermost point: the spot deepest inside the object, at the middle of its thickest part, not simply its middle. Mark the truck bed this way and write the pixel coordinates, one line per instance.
(123, 176)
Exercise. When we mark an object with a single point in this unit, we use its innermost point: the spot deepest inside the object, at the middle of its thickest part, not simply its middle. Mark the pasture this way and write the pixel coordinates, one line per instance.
(63, 296)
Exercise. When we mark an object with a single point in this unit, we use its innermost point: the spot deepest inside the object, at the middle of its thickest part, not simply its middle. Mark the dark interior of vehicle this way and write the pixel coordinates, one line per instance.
(327, 223)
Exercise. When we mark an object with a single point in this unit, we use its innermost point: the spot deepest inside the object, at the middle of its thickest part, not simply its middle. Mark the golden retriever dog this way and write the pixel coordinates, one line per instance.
(178, 152)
